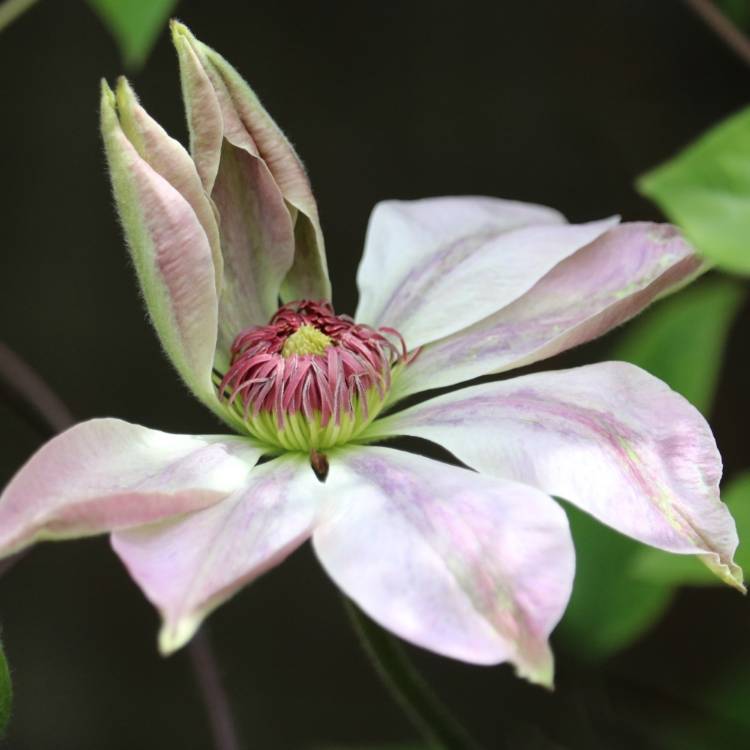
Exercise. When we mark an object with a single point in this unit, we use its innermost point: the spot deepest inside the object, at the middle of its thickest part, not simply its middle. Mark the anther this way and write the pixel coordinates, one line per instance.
(319, 464)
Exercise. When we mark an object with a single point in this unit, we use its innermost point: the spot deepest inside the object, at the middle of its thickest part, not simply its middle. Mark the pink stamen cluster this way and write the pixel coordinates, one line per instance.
(332, 384)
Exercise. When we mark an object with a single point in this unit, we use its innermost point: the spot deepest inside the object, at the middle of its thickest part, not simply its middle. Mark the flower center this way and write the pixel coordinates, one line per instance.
(306, 340)
(310, 379)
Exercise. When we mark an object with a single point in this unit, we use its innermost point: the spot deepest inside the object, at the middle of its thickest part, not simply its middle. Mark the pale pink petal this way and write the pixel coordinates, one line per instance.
(257, 231)
(308, 276)
(276, 202)
(425, 259)
(609, 438)
(108, 474)
(168, 157)
(471, 567)
(187, 567)
(586, 295)
(403, 235)
(171, 254)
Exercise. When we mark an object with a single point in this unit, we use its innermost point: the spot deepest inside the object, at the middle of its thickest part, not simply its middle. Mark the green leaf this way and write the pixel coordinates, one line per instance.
(681, 340)
(6, 692)
(706, 190)
(135, 25)
(623, 587)
(718, 715)
(654, 566)
(608, 609)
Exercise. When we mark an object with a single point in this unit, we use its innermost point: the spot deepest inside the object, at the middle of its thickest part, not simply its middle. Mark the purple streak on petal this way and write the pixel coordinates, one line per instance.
(474, 568)
(402, 235)
(418, 272)
(598, 288)
(609, 438)
(107, 474)
(189, 566)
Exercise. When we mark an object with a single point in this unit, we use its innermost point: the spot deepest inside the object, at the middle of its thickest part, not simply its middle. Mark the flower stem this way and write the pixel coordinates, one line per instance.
(11, 9)
(212, 690)
(33, 400)
(723, 27)
(438, 727)
(31, 397)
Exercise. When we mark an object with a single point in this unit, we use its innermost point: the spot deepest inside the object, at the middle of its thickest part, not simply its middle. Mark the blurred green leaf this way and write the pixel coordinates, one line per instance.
(608, 609)
(706, 190)
(718, 717)
(373, 747)
(614, 601)
(681, 340)
(737, 10)
(6, 692)
(659, 567)
(135, 25)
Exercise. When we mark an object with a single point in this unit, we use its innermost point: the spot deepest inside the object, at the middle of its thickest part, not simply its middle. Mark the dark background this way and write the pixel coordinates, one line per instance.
(562, 103)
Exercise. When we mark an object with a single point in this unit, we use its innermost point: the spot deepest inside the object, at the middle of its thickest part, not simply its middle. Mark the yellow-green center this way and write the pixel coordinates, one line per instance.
(306, 339)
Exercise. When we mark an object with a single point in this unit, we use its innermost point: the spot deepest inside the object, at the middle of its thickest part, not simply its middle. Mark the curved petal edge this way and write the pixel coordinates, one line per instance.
(609, 438)
(468, 566)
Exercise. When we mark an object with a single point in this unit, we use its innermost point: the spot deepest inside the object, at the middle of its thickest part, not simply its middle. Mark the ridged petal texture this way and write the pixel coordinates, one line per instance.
(170, 247)
(609, 438)
(106, 474)
(469, 566)
(271, 237)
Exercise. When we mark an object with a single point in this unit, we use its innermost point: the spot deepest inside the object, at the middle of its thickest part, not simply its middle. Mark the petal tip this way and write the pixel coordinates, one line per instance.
(174, 634)
(181, 35)
(107, 95)
(178, 29)
(729, 573)
(124, 91)
(539, 669)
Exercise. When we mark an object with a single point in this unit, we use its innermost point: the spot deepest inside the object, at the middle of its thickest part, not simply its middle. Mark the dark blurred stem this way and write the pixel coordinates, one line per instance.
(30, 397)
(33, 400)
(11, 9)
(214, 696)
(723, 27)
(437, 726)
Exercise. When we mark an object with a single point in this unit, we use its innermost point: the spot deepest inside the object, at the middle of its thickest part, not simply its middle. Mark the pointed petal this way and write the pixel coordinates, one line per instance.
(585, 296)
(108, 474)
(202, 108)
(285, 221)
(189, 566)
(474, 568)
(424, 259)
(257, 234)
(168, 157)
(308, 276)
(404, 235)
(171, 254)
(609, 438)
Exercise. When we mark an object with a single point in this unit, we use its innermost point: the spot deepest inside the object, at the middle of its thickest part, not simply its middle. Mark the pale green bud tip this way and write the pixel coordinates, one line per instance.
(180, 33)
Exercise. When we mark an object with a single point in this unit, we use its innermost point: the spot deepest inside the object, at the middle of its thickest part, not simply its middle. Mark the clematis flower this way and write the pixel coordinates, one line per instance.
(473, 562)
